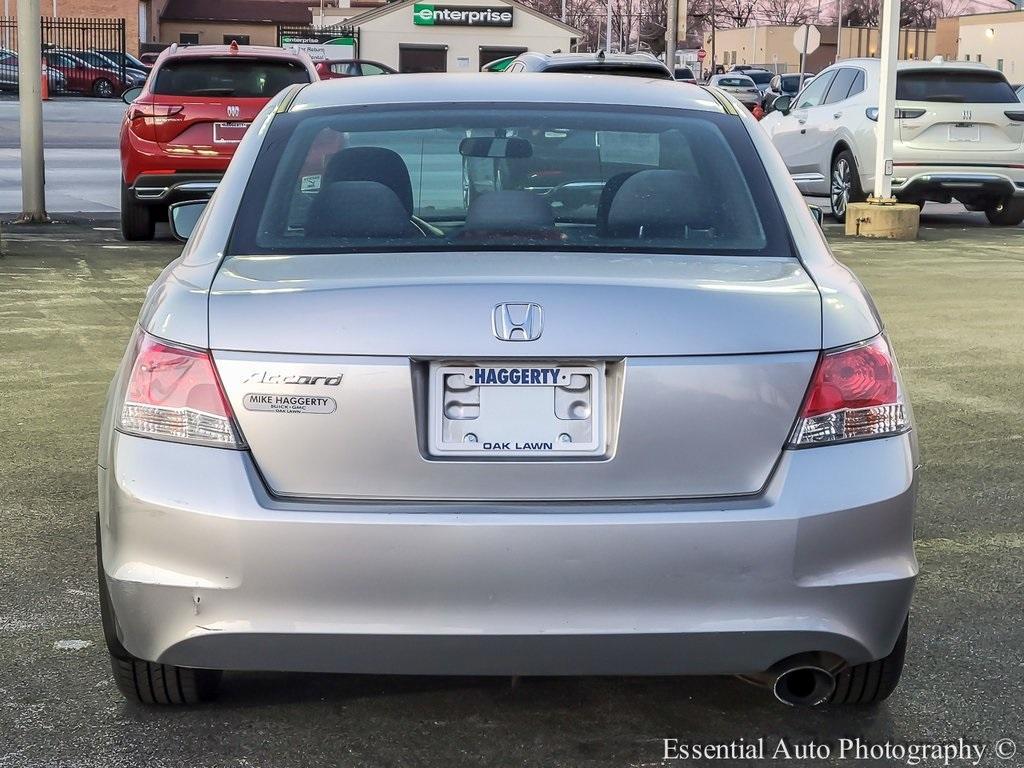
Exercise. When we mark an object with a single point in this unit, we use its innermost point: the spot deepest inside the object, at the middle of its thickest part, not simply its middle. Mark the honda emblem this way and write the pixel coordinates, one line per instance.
(518, 322)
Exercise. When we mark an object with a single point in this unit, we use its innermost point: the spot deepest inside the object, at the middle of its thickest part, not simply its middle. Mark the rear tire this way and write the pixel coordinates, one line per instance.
(844, 184)
(103, 88)
(1006, 213)
(873, 682)
(146, 682)
(137, 220)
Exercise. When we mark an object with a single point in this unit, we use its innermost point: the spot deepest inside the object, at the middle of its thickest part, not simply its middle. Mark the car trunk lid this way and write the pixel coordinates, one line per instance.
(699, 366)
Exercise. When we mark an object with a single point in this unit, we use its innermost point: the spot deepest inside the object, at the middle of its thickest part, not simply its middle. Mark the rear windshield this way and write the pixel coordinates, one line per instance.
(628, 70)
(483, 178)
(791, 83)
(955, 87)
(684, 73)
(736, 82)
(238, 77)
(761, 78)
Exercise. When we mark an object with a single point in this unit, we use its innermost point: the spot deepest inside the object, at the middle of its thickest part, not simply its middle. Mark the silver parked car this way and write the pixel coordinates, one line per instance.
(621, 413)
(743, 88)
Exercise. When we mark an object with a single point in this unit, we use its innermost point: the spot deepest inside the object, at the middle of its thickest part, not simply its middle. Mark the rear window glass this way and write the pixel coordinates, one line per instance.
(627, 70)
(791, 83)
(955, 87)
(684, 73)
(529, 177)
(736, 82)
(241, 78)
(761, 78)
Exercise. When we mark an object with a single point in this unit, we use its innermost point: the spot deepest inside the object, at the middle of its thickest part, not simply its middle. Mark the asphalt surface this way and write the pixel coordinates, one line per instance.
(80, 139)
(71, 294)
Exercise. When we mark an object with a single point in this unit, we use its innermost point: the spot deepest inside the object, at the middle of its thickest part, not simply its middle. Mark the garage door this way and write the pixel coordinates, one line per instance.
(422, 58)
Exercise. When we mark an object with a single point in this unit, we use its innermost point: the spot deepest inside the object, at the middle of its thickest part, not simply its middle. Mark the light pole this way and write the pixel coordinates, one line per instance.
(671, 30)
(30, 76)
(839, 30)
(608, 30)
(712, 37)
(889, 49)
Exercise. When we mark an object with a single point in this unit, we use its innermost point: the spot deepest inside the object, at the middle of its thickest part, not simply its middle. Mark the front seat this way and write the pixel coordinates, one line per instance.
(359, 210)
(659, 205)
(384, 166)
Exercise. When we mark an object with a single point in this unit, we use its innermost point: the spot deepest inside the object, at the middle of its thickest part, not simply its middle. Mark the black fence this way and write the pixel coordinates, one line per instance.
(81, 56)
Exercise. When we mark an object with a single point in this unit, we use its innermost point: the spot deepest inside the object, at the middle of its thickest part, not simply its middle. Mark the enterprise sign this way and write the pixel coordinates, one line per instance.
(428, 14)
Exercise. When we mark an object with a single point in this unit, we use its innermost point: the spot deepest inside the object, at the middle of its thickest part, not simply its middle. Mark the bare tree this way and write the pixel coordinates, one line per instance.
(786, 12)
(734, 13)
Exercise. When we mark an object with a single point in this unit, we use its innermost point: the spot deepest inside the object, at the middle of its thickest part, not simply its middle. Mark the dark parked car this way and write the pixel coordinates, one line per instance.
(600, 63)
(783, 85)
(761, 78)
(57, 83)
(332, 70)
(121, 57)
(685, 75)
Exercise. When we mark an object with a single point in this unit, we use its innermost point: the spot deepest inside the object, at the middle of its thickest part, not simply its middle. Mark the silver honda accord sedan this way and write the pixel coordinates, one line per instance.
(551, 376)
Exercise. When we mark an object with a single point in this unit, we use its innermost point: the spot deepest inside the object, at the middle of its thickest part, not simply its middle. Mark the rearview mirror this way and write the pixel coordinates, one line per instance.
(183, 217)
(131, 94)
(483, 146)
(818, 214)
(783, 104)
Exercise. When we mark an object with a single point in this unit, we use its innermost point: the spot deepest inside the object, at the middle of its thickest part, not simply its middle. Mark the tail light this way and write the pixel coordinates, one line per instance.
(147, 118)
(855, 394)
(173, 393)
(899, 114)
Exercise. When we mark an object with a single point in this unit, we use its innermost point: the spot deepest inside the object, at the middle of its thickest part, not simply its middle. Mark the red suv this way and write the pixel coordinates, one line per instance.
(181, 129)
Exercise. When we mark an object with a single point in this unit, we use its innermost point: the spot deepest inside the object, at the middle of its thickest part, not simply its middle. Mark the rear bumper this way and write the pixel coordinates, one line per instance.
(206, 569)
(173, 188)
(942, 183)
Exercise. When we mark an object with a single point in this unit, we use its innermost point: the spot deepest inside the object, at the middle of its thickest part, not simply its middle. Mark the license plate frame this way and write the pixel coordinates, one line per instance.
(219, 128)
(964, 133)
(523, 410)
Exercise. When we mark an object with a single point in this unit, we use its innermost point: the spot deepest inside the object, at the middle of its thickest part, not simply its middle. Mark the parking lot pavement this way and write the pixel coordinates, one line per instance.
(71, 294)
(80, 137)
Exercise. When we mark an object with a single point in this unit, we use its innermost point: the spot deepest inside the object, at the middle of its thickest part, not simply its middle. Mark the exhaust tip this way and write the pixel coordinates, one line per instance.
(805, 686)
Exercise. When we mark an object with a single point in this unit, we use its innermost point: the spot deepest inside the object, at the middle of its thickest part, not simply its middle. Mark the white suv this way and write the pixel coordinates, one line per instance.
(960, 135)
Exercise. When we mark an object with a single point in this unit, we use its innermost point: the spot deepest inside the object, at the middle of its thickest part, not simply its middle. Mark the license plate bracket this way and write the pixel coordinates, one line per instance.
(960, 132)
(229, 133)
(517, 410)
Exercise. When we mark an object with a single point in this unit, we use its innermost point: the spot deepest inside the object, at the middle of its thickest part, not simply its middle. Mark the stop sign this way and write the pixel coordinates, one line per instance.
(701, 55)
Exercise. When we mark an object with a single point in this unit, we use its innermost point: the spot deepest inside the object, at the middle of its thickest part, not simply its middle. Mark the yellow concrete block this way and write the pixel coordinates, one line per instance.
(893, 221)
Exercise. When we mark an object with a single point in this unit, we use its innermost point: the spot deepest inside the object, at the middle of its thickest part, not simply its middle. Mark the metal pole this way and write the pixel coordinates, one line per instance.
(839, 31)
(30, 77)
(888, 44)
(563, 11)
(608, 31)
(803, 58)
(712, 37)
(671, 31)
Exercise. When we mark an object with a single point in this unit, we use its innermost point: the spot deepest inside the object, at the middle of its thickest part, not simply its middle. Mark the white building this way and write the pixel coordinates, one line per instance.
(457, 36)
